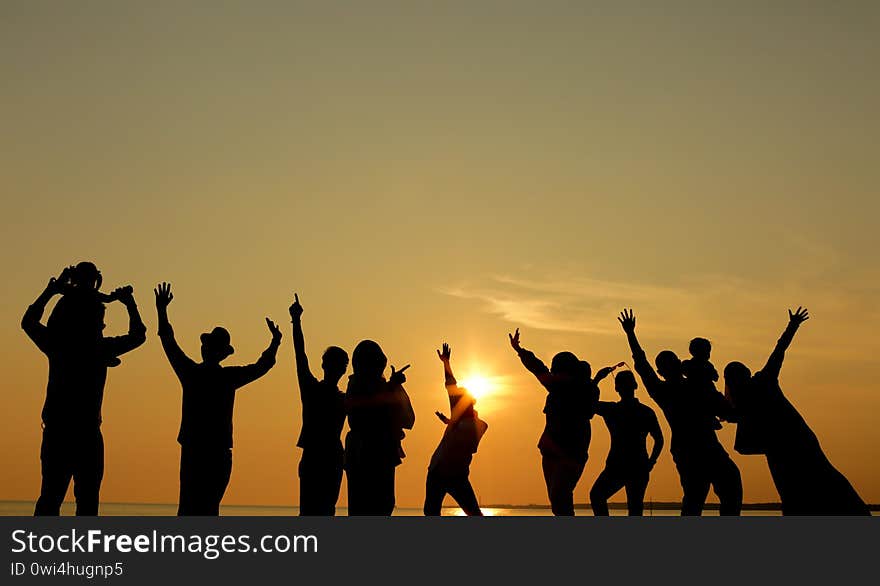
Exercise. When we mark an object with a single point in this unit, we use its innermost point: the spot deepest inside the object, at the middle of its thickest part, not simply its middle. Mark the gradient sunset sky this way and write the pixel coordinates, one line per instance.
(422, 172)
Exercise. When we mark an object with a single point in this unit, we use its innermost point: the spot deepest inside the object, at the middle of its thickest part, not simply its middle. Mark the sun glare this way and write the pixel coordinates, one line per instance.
(478, 385)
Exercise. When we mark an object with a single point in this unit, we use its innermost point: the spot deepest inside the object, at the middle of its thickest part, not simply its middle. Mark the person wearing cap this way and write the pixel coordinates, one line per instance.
(79, 356)
(450, 464)
(628, 465)
(209, 389)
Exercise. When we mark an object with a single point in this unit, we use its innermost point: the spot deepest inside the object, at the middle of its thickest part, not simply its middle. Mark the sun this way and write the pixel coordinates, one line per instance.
(478, 385)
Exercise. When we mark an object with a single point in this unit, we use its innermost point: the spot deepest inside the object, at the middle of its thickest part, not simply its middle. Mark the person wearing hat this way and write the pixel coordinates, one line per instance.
(79, 356)
(209, 388)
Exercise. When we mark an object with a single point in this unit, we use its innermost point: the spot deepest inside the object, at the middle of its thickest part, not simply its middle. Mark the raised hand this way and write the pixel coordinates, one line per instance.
(514, 340)
(56, 285)
(627, 320)
(798, 317)
(124, 294)
(397, 377)
(276, 331)
(445, 354)
(163, 295)
(603, 372)
(296, 310)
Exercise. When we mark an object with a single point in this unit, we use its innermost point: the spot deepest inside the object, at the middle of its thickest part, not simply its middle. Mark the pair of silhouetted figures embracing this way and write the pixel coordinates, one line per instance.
(379, 412)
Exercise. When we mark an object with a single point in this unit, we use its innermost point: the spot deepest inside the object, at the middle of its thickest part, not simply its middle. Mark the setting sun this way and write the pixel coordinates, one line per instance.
(478, 385)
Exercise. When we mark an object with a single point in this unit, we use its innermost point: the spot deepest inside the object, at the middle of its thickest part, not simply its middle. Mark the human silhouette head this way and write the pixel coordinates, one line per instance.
(368, 360)
(585, 370)
(565, 364)
(668, 365)
(77, 318)
(216, 345)
(625, 384)
(86, 275)
(463, 402)
(334, 362)
(700, 349)
(736, 377)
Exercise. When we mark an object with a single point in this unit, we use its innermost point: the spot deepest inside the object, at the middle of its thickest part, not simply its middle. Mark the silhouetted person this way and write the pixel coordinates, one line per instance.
(691, 413)
(628, 465)
(450, 464)
(209, 388)
(699, 371)
(571, 403)
(323, 414)
(769, 424)
(378, 412)
(79, 355)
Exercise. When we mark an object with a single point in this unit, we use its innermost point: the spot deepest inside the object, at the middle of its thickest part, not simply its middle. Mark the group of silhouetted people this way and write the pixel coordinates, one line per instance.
(379, 412)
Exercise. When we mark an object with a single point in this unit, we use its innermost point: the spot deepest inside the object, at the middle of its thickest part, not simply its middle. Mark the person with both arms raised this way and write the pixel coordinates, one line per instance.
(79, 355)
(208, 399)
(323, 414)
(628, 465)
(571, 403)
(769, 424)
(692, 412)
(450, 464)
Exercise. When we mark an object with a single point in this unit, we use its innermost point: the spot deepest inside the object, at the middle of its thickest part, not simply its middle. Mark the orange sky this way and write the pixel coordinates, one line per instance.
(424, 173)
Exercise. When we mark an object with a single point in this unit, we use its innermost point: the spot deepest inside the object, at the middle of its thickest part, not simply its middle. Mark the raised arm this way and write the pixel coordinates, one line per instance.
(30, 322)
(303, 372)
(405, 413)
(137, 331)
(532, 363)
(180, 362)
(774, 363)
(242, 375)
(445, 356)
(640, 360)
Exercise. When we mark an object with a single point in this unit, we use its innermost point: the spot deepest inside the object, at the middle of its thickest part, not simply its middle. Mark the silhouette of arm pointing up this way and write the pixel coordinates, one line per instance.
(242, 375)
(774, 363)
(137, 331)
(303, 373)
(640, 360)
(180, 362)
(30, 322)
(532, 363)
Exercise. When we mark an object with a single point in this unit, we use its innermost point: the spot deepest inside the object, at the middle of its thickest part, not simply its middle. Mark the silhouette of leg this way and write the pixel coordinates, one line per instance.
(371, 490)
(695, 485)
(357, 504)
(335, 479)
(204, 475)
(320, 478)
(727, 484)
(463, 492)
(309, 485)
(57, 471)
(607, 484)
(561, 475)
(190, 478)
(88, 472)
(435, 491)
(636, 485)
(220, 474)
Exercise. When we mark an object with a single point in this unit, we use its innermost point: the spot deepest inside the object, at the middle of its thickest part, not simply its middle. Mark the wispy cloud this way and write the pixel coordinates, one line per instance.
(746, 313)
